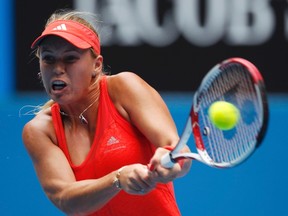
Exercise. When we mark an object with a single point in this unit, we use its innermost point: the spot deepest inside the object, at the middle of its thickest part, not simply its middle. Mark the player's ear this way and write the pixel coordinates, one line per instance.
(97, 66)
(98, 63)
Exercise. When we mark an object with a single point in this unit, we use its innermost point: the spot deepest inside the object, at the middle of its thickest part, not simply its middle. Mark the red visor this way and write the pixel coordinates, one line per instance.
(76, 33)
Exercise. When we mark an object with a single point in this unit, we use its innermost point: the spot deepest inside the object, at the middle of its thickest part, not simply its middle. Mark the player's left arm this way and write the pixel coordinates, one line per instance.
(143, 106)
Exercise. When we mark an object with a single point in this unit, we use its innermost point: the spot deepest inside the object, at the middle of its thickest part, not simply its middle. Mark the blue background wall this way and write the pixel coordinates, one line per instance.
(7, 61)
(258, 187)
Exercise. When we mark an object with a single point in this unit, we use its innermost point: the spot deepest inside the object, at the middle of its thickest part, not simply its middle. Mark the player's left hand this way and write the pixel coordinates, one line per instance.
(160, 173)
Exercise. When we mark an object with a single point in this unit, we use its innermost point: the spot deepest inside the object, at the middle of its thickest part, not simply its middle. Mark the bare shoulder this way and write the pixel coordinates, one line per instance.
(131, 94)
(128, 84)
(144, 107)
(38, 129)
(126, 79)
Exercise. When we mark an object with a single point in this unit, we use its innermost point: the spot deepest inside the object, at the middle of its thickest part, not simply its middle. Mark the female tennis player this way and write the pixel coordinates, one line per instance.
(94, 143)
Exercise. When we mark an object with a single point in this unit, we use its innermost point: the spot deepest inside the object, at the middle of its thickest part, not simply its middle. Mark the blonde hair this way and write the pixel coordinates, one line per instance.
(86, 18)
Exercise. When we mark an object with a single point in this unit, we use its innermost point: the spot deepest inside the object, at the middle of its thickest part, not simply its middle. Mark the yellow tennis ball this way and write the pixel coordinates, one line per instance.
(224, 115)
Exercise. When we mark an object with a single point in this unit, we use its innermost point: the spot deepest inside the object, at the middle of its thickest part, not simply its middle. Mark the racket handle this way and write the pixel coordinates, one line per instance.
(167, 161)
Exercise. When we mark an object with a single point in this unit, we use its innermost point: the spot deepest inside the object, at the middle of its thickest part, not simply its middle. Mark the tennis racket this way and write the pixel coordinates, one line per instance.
(236, 81)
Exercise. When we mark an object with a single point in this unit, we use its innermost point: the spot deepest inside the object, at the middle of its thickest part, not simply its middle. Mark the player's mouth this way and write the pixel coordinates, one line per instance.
(58, 85)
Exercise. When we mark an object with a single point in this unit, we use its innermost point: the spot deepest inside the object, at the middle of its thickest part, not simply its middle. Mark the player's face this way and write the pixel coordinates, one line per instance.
(66, 70)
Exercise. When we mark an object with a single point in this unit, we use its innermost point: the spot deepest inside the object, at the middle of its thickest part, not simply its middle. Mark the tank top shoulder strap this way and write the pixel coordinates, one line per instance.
(107, 108)
(59, 130)
(104, 108)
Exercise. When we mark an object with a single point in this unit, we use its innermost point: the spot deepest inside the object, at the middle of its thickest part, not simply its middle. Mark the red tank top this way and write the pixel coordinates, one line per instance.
(117, 143)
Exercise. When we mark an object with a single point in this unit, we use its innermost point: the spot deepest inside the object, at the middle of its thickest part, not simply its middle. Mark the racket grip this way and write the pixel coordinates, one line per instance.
(167, 161)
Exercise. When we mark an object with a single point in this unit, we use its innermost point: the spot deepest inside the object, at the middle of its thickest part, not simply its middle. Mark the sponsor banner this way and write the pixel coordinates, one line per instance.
(170, 43)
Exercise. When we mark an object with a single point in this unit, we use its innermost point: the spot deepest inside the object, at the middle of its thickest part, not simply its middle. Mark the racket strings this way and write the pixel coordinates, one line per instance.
(232, 84)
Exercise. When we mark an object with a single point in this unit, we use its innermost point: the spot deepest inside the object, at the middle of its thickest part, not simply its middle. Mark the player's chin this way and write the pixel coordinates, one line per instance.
(59, 94)
(61, 98)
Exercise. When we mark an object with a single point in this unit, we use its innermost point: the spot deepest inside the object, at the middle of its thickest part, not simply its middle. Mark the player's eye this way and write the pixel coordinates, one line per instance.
(71, 58)
(48, 59)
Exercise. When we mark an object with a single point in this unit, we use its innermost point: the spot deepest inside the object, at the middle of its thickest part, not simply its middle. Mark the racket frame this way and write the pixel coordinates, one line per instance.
(192, 125)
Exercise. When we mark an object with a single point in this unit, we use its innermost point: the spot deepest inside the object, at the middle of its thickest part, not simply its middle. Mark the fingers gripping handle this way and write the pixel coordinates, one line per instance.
(167, 161)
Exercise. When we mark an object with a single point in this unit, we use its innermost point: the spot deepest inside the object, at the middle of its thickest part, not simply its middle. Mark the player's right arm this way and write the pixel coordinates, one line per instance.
(56, 175)
(57, 178)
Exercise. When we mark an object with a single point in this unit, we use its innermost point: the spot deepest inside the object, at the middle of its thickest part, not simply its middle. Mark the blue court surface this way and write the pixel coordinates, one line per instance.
(256, 188)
